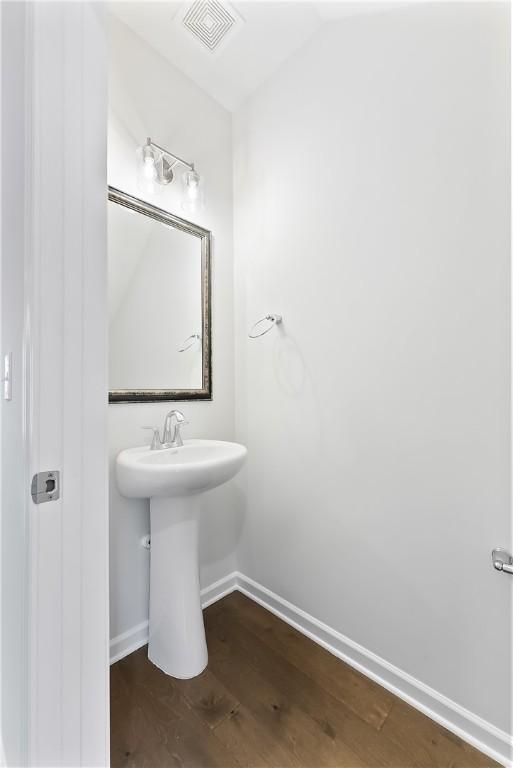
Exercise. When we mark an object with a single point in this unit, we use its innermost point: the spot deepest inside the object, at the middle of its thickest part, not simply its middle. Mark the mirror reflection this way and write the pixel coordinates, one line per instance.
(158, 303)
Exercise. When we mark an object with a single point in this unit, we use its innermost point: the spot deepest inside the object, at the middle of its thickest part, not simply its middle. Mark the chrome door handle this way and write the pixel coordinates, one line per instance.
(502, 560)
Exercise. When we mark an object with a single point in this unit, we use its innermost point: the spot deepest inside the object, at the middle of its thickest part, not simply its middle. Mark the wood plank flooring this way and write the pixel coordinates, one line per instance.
(269, 698)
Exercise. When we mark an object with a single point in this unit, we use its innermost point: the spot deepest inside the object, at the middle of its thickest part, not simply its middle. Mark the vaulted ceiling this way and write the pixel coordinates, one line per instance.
(229, 49)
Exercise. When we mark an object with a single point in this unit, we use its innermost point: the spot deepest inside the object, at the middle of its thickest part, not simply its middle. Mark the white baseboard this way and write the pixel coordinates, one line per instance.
(471, 728)
(468, 726)
(219, 589)
(134, 638)
(128, 642)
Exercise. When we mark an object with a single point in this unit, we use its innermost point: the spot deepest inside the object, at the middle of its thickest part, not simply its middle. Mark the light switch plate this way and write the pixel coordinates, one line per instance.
(7, 376)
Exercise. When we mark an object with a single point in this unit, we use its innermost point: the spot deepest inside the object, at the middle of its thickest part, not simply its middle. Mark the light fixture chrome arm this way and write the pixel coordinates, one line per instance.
(170, 154)
(156, 165)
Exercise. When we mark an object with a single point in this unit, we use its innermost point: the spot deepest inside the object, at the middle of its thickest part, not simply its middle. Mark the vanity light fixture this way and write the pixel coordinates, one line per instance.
(155, 167)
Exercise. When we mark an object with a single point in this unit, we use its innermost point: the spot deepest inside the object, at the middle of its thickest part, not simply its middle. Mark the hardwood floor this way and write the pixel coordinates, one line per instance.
(270, 698)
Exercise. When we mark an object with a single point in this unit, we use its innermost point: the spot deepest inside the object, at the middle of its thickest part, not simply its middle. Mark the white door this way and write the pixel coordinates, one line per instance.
(54, 566)
(13, 476)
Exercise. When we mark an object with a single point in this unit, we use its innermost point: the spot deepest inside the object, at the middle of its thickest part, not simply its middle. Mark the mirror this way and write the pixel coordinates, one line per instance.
(159, 304)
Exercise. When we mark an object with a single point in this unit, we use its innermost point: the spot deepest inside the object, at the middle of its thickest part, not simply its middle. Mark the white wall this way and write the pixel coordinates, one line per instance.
(149, 97)
(371, 210)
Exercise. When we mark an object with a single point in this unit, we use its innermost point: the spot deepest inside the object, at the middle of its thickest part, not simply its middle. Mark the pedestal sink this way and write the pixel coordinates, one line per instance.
(174, 479)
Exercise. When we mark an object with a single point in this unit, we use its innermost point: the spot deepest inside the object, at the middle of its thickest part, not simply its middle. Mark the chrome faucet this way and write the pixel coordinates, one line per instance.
(171, 437)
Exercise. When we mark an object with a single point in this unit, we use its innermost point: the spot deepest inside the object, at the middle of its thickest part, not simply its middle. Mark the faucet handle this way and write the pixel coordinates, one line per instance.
(156, 442)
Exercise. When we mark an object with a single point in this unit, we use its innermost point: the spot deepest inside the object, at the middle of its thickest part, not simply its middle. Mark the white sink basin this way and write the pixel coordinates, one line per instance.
(174, 480)
(195, 467)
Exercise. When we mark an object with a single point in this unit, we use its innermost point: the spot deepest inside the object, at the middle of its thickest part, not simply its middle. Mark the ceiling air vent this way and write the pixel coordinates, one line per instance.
(211, 22)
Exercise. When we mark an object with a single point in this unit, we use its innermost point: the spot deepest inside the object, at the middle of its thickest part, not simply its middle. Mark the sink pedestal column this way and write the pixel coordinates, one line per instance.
(177, 642)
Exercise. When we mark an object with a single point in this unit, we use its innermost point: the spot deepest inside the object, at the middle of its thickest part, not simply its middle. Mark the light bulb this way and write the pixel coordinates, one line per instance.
(149, 169)
(147, 173)
(192, 185)
(193, 188)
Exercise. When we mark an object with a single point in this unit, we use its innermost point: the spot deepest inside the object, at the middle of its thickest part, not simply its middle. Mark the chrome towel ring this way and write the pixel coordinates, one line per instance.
(271, 320)
(192, 339)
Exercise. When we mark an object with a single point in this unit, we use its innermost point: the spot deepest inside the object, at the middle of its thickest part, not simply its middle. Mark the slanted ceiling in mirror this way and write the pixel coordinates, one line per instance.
(159, 304)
